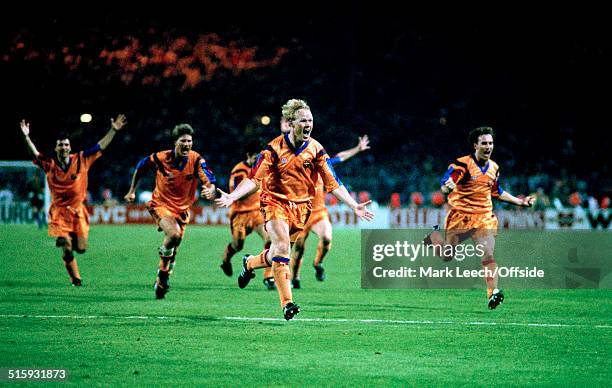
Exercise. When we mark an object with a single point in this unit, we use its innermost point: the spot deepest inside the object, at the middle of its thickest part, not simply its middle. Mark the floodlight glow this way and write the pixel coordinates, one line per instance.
(86, 118)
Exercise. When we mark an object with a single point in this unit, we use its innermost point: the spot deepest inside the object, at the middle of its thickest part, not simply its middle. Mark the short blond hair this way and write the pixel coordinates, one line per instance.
(288, 110)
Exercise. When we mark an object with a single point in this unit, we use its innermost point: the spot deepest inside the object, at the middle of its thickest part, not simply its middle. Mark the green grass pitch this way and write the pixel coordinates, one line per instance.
(113, 332)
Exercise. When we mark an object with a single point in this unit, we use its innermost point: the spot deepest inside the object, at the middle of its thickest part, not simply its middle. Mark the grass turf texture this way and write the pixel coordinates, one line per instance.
(196, 344)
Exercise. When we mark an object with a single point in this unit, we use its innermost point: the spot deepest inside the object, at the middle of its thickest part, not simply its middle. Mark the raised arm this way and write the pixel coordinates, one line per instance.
(142, 166)
(362, 145)
(25, 128)
(116, 125)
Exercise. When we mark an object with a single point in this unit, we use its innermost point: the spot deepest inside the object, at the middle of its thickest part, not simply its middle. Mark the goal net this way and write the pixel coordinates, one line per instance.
(24, 193)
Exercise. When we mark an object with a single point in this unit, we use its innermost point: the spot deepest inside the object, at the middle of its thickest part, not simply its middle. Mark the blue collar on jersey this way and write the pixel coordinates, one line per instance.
(482, 169)
(292, 147)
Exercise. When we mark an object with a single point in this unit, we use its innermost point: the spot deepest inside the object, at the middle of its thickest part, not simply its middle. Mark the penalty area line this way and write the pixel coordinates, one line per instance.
(321, 320)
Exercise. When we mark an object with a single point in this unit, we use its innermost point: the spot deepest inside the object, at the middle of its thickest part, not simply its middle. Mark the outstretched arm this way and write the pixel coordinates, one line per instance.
(246, 187)
(25, 128)
(116, 125)
(335, 186)
(251, 184)
(362, 145)
(525, 202)
(359, 208)
(140, 169)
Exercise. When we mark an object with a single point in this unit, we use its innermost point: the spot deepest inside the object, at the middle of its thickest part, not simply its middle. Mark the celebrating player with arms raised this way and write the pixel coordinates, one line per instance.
(291, 164)
(67, 178)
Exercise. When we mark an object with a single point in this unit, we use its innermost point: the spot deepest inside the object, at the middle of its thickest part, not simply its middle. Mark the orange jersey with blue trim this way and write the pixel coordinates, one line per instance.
(291, 174)
(239, 172)
(475, 185)
(176, 180)
(318, 202)
(68, 185)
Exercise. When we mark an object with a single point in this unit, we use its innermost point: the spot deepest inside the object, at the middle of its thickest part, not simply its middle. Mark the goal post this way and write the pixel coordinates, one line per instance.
(19, 181)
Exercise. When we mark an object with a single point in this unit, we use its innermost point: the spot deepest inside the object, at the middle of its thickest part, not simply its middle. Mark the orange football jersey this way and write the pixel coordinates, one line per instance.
(176, 180)
(475, 185)
(68, 185)
(291, 174)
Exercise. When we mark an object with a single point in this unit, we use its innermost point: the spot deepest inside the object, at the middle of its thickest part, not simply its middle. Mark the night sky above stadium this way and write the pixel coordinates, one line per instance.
(401, 75)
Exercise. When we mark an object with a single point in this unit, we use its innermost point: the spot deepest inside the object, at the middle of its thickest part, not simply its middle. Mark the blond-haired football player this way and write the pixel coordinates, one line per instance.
(291, 165)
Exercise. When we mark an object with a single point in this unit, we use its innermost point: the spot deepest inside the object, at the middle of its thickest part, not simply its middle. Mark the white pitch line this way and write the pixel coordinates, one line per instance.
(328, 320)
(413, 322)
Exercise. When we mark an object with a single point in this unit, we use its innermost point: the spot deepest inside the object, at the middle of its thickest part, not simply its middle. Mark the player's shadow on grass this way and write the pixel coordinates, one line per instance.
(44, 297)
(61, 284)
(29, 284)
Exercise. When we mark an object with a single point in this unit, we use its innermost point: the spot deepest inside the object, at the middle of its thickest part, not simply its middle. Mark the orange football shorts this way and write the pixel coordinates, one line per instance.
(66, 220)
(294, 214)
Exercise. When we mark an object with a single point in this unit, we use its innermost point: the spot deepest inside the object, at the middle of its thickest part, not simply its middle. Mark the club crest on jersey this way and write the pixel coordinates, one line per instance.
(170, 175)
(284, 160)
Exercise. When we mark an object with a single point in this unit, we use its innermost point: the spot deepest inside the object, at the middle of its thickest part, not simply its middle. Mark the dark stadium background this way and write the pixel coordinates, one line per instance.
(414, 82)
